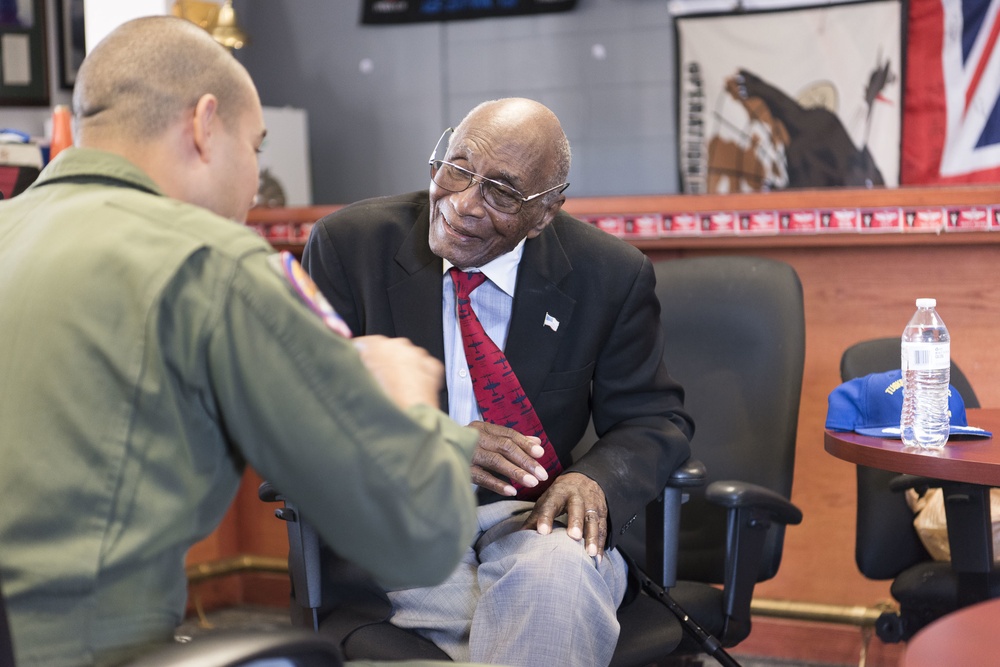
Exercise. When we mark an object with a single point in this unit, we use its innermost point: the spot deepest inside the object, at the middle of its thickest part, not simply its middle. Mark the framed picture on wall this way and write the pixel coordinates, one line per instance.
(71, 40)
(23, 68)
(808, 97)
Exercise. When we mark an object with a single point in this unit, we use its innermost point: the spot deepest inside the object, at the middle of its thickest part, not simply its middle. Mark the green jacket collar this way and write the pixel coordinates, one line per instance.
(88, 163)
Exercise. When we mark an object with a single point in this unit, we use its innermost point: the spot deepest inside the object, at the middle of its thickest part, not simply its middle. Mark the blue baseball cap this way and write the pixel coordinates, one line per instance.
(871, 405)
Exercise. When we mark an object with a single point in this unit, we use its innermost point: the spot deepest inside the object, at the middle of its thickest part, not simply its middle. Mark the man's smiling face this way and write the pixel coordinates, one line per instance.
(496, 143)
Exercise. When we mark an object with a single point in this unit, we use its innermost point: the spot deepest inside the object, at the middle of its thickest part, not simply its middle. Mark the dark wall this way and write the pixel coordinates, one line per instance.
(378, 97)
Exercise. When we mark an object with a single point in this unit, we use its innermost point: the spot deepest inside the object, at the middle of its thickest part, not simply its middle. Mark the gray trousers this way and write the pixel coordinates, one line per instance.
(521, 599)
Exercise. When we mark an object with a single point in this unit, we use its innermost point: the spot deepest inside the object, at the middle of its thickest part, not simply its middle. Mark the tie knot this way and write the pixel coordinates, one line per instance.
(466, 282)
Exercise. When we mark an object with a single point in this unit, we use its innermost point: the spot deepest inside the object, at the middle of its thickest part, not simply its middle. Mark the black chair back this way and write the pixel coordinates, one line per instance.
(883, 354)
(735, 332)
(735, 340)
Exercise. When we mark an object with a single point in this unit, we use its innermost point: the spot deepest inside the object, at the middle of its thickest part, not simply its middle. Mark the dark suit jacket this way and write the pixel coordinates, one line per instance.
(373, 262)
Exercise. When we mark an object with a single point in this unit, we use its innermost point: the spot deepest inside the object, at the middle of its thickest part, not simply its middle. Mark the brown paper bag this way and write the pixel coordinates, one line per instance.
(932, 527)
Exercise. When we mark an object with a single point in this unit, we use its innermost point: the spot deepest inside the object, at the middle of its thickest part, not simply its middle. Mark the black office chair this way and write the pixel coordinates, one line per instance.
(736, 338)
(735, 329)
(233, 649)
(886, 543)
(883, 354)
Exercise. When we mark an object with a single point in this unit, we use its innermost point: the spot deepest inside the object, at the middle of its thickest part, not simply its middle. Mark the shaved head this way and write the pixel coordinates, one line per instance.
(148, 72)
(161, 93)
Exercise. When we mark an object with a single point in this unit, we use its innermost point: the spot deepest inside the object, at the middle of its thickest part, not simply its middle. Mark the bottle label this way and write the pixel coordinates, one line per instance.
(926, 356)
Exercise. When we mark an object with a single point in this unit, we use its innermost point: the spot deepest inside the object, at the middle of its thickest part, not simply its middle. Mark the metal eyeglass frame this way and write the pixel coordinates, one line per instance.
(482, 180)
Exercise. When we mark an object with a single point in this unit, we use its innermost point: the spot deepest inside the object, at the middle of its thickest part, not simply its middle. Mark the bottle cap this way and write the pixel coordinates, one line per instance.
(926, 303)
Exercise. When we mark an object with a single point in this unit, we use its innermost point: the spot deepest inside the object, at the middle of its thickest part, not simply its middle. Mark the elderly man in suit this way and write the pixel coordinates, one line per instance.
(571, 314)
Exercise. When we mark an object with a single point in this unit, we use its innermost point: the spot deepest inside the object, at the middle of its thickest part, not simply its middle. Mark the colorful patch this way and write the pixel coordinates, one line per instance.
(288, 266)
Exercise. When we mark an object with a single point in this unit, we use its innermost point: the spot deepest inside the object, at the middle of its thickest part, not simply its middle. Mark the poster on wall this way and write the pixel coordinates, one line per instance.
(23, 80)
(796, 98)
(409, 11)
(951, 129)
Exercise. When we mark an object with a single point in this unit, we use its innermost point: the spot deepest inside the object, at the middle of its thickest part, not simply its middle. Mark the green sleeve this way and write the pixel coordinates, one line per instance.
(386, 489)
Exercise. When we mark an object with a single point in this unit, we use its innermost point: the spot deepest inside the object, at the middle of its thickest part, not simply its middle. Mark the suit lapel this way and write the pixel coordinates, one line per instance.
(531, 344)
(415, 301)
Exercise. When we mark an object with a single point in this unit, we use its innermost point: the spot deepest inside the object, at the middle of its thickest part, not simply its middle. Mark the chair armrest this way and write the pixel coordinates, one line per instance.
(751, 511)
(901, 483)
(267, 493)
(690, 473)
(307, 649)
(304, 558)
(735, 495)
(663, 522)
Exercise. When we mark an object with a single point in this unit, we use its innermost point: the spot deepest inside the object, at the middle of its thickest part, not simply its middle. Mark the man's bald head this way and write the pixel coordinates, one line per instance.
(144, 75)
(543, 139)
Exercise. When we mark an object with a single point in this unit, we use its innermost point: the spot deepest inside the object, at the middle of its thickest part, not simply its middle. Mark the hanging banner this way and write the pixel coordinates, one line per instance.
(951, 130)
(408, 11)
(798, 98)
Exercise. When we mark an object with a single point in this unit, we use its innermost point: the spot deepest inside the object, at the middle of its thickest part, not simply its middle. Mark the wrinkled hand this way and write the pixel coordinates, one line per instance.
(586, 509)
(407, 373)
(504, 454)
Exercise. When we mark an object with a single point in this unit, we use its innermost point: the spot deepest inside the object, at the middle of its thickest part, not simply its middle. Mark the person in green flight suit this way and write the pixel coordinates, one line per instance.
(151, 347)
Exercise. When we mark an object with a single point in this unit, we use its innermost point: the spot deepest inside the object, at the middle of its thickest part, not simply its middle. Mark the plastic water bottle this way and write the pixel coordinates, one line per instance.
(926, 365)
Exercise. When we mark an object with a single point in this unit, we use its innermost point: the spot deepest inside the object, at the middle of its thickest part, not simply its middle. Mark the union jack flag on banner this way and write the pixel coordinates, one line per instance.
(951, 120)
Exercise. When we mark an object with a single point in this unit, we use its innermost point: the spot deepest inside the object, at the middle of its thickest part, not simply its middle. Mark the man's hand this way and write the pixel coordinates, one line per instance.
(504, 454)
(407, 373)
(586, 508)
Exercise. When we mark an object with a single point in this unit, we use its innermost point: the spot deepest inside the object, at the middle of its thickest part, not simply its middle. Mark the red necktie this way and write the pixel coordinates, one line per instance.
(498, 392)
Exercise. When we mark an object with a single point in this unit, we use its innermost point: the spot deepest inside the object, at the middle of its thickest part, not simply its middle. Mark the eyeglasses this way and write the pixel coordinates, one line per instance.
(503, 198)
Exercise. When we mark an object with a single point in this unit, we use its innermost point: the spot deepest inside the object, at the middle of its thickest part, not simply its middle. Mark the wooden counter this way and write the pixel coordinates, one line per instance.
(856, 286)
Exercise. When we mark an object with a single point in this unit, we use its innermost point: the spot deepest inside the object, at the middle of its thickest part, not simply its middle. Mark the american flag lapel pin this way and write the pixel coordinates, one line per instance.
(551, 322)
